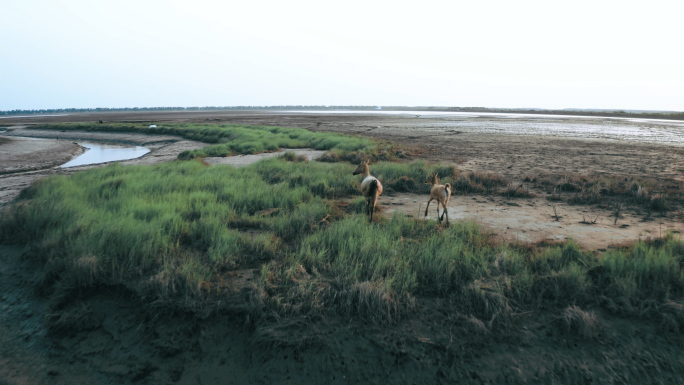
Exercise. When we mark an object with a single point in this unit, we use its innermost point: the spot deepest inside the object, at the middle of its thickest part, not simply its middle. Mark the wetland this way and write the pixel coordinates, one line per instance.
(277, 277)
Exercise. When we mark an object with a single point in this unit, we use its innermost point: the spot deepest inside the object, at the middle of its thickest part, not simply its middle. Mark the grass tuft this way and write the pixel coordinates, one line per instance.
(585, 324)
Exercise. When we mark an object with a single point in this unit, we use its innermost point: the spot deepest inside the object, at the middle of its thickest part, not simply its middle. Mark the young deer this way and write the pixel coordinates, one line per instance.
(371, 188)
(441, 193)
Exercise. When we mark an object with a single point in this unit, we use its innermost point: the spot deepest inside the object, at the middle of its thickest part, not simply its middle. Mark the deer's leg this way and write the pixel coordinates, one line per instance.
(426, 207)
(372, 207)
(446, 213)
(438, 218)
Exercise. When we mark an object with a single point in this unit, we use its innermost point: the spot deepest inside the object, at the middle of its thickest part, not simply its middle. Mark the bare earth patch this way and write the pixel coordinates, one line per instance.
(533, 219)
(19, 154)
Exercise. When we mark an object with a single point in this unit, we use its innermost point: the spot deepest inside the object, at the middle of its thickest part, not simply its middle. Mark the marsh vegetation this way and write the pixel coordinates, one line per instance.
(226, 140)
(177, 233)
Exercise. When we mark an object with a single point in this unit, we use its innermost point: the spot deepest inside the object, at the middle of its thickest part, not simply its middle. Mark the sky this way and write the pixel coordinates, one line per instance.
(509, 54)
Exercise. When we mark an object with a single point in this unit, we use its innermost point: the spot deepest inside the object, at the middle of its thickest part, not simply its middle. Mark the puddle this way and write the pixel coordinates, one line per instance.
(103, 153)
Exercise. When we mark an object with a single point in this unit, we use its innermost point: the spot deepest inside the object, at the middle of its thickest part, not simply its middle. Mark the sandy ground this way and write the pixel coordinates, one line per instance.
(27, 154)
(131, 345)
(533, 219)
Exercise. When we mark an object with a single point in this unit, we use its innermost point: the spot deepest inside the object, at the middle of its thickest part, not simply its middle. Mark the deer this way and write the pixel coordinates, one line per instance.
(441, 193)
(371, 188)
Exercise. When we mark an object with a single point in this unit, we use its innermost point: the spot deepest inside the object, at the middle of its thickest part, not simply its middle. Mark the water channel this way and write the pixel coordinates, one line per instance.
(102, 153)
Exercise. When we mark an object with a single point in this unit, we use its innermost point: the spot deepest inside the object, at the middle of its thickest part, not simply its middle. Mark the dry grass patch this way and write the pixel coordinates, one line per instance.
(584, 324)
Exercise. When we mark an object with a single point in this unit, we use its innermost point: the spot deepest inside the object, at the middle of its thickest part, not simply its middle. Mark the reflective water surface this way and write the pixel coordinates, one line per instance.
(102, 153)
(656, 131)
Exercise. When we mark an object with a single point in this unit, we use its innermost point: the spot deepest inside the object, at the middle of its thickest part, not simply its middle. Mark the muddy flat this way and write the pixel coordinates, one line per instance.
(27, 154)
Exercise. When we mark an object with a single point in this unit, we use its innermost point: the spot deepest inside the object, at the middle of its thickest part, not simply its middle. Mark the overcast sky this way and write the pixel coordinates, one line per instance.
(545, 54)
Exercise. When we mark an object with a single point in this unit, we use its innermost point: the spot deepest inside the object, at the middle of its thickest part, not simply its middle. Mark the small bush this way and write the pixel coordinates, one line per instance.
(640, 194)
(292, 157)
(517, 190)
(587, 197)
(658, 203)
(466, 185)
(584, 324)
(446, 171)
(403, 184)
(330, 157)
(488, 180)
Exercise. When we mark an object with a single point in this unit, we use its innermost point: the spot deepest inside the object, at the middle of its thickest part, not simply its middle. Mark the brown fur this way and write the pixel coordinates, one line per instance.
(441, 193)
(370, 191)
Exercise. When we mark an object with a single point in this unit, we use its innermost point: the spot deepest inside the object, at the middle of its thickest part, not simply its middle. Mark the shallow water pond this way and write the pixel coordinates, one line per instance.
(102, 153)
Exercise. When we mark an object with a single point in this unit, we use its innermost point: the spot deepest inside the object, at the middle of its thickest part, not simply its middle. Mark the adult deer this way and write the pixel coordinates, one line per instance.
(371, 188)
(441, 193)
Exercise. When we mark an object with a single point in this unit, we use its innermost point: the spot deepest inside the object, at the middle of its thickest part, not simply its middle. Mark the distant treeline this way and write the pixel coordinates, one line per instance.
(675, 115)
(106, 109)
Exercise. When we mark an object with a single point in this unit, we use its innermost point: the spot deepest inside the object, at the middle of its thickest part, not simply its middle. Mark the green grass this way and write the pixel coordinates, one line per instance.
(227, 139)
(402, 259)
(179, 219)
(176, 233)
(178, 230)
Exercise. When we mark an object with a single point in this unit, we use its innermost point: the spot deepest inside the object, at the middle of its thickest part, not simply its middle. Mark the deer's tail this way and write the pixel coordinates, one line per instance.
(447, 188)
(373, 189)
